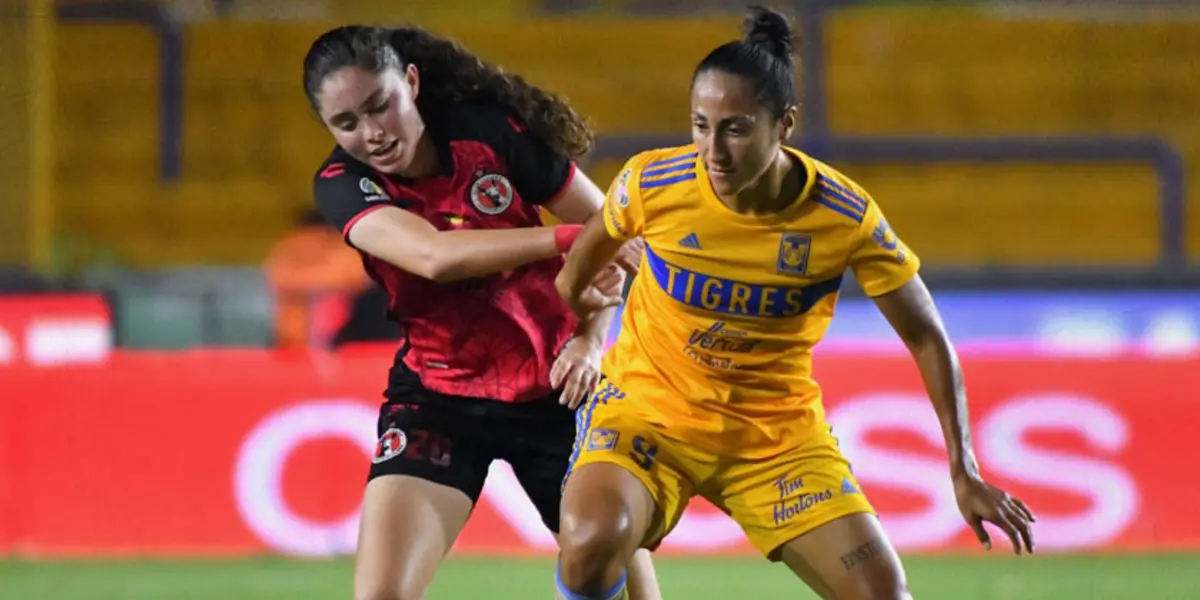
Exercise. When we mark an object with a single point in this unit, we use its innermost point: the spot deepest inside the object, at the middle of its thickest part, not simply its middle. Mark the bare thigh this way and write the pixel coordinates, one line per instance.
(849, 558)
(408, 525)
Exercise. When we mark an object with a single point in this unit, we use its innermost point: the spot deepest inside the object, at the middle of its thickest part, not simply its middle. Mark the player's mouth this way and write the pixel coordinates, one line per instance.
(387, 150)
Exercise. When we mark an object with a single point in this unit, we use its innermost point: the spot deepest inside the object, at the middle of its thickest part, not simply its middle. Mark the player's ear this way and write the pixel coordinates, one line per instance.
(413, 78)
(787, 123)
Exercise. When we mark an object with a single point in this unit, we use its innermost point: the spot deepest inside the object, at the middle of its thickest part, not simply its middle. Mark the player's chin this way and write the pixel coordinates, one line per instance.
(727, 187)
(393, 163)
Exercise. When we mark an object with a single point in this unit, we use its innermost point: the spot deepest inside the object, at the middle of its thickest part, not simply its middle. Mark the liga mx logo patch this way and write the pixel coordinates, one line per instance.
(372, 192)
(491, 194)
(793, 253)
(390, 445)
(623, 188)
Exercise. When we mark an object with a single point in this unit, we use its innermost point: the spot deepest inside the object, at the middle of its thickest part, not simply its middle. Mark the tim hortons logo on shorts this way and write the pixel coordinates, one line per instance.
(391, 444)
(491, 194)
(786, 510)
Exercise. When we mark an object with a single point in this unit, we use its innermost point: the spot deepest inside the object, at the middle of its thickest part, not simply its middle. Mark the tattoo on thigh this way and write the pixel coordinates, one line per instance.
(862, 554)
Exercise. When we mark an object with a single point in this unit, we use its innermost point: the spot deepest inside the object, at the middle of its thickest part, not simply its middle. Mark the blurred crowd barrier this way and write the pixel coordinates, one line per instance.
(250, 145)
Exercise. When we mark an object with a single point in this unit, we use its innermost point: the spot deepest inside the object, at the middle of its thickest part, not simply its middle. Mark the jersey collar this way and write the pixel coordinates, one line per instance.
(782, 216)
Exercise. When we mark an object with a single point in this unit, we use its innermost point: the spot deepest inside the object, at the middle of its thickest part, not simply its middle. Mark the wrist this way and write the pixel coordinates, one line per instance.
(587, 333)
(963, 466)
(565, 235)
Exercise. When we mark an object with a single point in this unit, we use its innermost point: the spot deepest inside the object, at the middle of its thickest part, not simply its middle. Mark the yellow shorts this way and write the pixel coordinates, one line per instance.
(774, 499)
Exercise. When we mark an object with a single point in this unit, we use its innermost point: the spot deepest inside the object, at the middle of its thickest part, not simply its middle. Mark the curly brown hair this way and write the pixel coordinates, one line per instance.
(449, 74)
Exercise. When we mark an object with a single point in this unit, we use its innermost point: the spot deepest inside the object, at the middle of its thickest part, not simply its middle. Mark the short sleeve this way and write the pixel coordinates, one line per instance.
(539, 173)
(624, 216)
(880, 261)
(346, 191)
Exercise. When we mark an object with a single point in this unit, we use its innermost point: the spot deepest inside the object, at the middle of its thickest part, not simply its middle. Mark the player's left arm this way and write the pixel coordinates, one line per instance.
(618, 222)
(887, 270)
(577, 369)
(578, 203)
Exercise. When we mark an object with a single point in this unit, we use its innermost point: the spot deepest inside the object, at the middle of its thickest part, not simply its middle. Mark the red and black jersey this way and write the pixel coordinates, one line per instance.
(490, 337)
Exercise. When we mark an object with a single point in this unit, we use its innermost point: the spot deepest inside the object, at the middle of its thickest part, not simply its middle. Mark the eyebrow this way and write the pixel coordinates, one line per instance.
(373, 99)
(726, 120)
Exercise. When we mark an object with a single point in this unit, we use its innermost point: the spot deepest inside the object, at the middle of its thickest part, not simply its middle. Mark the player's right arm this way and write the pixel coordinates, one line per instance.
(620, 220)
(887, 271)
(371, 222)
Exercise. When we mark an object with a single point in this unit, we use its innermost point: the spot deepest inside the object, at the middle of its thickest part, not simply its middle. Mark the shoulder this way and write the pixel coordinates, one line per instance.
(662, 168)
(340, 174)
(486, 123)
(501, 136)
(837, 192)
(339, 166)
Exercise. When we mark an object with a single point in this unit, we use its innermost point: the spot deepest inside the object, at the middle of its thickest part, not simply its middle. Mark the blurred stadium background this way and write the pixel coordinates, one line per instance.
(172, 423)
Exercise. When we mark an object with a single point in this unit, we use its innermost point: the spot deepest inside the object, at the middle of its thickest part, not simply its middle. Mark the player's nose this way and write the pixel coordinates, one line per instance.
(717, 155)
(720, 161)
(374, 131)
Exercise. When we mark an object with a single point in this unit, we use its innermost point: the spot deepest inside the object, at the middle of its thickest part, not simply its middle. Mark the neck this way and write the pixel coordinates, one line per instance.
(425, 159)
(770, 193)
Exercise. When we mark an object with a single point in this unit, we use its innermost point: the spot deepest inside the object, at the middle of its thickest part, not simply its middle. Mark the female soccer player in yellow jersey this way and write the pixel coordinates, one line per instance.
(708, 390)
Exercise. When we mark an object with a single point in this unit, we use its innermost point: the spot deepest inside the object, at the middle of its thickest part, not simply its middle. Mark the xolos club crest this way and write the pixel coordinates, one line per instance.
(491, 194)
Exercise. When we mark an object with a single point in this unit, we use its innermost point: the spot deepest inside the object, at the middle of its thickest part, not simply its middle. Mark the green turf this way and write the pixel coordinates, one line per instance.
(1161, 577)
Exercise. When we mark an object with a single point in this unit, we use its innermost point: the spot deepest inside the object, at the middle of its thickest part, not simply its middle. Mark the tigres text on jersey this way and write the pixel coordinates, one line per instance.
(727, 308)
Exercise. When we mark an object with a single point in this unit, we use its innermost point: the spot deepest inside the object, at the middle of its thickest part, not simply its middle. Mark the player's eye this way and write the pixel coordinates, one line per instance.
(347, 125)
(700, 126)
(379, 109)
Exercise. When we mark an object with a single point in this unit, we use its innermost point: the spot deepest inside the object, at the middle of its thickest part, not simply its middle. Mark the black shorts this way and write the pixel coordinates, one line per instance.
(453, 440)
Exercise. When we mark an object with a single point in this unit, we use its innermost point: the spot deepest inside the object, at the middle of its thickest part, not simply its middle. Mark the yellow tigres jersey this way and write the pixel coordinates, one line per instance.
(727, 307)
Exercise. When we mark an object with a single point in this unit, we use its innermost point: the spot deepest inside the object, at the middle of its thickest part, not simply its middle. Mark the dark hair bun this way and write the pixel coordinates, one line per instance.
(771, 31)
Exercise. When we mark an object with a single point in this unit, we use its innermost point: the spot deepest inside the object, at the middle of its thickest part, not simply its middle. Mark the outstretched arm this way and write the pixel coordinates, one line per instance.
(911, 312)
(887, 270)
(354, 199)
(413, 244)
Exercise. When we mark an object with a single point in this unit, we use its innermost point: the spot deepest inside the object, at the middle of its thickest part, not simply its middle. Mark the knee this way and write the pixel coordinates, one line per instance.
(594, 547)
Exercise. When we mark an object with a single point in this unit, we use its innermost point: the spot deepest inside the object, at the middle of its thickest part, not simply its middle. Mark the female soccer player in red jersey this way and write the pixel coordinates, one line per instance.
(709, 389)
(441, 165)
